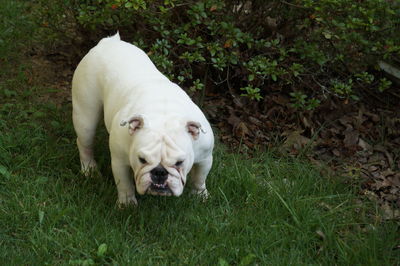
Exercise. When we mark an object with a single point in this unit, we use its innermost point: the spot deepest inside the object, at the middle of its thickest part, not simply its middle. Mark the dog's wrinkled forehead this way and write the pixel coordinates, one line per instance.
(170, 147)
(159, 147)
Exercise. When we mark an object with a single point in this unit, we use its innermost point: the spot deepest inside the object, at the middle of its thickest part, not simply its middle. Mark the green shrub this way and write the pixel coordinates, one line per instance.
(307, 49)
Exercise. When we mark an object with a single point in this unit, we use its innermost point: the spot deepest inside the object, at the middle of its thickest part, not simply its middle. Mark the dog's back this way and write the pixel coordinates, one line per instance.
(121, 60)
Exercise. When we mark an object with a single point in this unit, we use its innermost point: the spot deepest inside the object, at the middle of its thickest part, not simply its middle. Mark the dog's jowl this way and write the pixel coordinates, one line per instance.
(154, 127)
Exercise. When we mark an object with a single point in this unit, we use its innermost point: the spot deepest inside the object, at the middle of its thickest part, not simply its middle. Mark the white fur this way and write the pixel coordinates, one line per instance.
(146, 116)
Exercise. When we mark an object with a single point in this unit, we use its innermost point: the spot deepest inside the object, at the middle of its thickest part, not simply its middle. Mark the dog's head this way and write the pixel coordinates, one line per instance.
(161, 157)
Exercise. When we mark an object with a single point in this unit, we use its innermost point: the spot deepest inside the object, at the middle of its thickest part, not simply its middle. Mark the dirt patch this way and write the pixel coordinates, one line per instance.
(54, 72)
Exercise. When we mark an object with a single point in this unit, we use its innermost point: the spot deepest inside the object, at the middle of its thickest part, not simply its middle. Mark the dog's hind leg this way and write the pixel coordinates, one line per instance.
(85, 121)
(86, 113)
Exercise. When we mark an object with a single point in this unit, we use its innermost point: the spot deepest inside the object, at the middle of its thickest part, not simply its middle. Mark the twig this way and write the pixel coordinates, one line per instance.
(394, 94)
(203, 93)
(290, 4)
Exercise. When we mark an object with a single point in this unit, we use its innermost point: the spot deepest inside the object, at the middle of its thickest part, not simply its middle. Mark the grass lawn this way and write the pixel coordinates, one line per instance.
(264, 210)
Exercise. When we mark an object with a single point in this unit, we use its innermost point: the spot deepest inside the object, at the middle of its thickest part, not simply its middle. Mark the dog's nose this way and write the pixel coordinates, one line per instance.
(159, 175)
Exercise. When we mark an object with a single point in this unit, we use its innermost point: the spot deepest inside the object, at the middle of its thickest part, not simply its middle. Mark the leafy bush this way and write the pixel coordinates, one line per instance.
(308, 49)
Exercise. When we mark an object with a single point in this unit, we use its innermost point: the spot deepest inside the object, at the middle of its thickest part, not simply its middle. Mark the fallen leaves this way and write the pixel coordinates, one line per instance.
(355, 141)
(295, 142)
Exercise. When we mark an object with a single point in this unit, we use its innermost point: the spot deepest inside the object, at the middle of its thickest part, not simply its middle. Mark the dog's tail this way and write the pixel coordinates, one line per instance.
(115, 37)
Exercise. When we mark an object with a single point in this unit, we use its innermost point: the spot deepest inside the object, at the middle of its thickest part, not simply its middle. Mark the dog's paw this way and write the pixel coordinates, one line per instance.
(203, 194)
(90, 169)
(127, 201)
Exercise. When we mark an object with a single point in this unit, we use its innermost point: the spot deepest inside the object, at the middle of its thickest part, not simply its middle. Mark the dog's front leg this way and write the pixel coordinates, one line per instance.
(198, 176)
(124, 182)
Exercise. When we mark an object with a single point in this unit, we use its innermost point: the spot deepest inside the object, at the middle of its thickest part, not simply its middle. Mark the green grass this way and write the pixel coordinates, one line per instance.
(265, 210)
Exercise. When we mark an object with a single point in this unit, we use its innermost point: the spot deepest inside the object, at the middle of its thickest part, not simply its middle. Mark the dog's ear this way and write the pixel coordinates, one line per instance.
(194, 128)
(135, 122)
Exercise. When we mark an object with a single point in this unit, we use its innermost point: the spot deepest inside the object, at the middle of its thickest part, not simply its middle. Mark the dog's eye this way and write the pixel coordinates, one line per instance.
(141, 160)
(179, 163)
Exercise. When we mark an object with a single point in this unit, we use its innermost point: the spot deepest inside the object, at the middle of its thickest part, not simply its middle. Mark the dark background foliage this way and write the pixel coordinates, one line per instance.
(310, 50)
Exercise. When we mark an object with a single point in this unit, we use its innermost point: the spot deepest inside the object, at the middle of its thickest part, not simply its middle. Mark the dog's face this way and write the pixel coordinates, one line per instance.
(161, 160)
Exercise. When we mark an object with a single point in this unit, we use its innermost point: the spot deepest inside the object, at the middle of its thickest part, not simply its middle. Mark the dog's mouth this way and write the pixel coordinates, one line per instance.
(159, 189)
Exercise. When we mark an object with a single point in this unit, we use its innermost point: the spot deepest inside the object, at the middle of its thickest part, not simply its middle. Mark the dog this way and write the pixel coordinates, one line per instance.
(154, 127)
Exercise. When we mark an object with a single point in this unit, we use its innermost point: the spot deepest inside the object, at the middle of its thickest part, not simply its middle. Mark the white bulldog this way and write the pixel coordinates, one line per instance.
(154, 127)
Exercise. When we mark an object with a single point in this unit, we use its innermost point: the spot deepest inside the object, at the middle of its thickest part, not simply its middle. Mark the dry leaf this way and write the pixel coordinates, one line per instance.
(351, 138)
